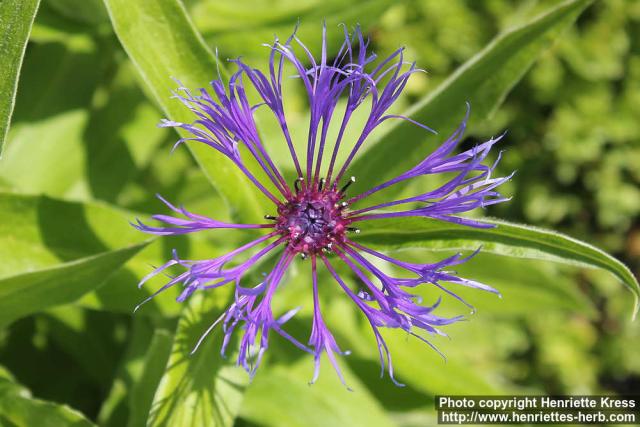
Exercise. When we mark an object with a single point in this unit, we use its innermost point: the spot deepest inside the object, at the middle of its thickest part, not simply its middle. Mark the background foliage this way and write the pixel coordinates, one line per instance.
(83, 156)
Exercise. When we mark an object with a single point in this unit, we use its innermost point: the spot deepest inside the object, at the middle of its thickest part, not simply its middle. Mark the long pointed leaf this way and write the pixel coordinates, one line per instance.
(19, 409)
(16, 18)
(162, 43)
(282, 396)
(53, 252)
(508, 239)
(200, 388)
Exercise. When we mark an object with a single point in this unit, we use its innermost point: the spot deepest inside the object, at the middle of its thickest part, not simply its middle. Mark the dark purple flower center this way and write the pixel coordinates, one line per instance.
(312, 221)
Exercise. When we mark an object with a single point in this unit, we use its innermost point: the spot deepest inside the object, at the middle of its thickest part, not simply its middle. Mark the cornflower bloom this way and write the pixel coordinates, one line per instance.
(315, 218)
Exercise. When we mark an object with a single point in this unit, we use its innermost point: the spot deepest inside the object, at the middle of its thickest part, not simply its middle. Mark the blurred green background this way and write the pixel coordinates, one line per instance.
(84, 130)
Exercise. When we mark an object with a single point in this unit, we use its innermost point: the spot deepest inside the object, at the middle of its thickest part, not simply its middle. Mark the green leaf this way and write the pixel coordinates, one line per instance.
(201, 388)
(38, 232)
(121, 136)
(241, 28)
(414, 362)
(162, 43)
(5, 374)
(54, 24)
(88, 12)
(32, 292)
(143, 391)
(508, 239)
(281, 395)
(143, 364)
(88, 337)
(484, 81)
(527, 286)
(425, 370)
(19, 409)
(45, 152)
(16, 18)
(115, 410)
(53, 252)
(119, 294)
(88, 144)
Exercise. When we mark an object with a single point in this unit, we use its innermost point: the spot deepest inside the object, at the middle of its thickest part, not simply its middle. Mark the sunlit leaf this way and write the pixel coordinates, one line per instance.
(19, 409)
(414, 362)
(241, 28)
(527, 286)
(143, 391)
(89, 12)
(201, 388)
(16, 18)
(46, 152)
(508, 239)
(162, 43)
(282, 396)
(53, 252)
(134, 385)
(87, 144)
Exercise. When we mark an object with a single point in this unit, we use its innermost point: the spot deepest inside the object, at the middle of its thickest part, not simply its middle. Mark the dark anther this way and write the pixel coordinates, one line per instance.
(303, 255)
(321, 184)
(296, 183)
(353, 230)
(351, 181)
(270, 217)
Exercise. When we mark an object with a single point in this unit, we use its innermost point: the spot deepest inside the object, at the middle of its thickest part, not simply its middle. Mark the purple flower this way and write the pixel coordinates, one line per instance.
(315, 218)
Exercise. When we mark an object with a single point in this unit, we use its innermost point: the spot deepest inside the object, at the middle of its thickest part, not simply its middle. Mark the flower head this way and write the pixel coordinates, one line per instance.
(315, 217)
